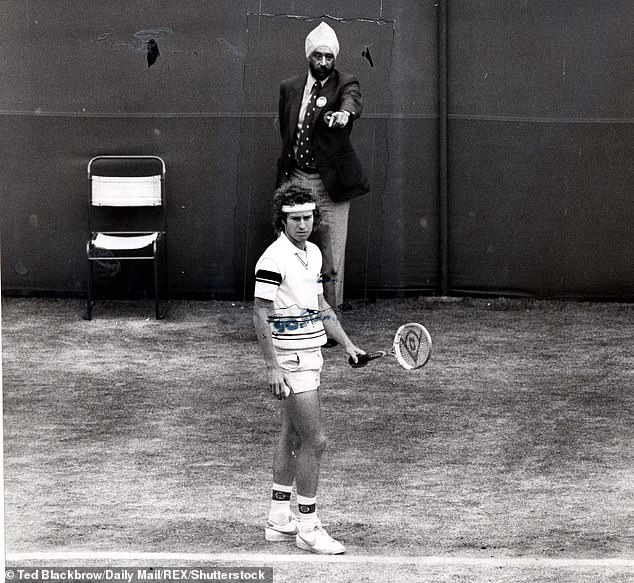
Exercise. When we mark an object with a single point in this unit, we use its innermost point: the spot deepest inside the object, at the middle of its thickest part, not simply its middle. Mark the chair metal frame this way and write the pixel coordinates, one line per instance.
(155, 250)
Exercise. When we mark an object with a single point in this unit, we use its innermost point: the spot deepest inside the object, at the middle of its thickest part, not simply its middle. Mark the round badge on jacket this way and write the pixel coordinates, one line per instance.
(321, 101)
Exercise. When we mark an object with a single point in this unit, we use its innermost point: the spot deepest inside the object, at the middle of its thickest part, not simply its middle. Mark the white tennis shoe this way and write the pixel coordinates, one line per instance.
(277, 533)
(316, 540)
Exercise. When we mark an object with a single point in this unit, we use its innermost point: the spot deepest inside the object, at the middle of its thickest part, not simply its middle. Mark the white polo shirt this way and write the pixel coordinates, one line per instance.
(291, 279)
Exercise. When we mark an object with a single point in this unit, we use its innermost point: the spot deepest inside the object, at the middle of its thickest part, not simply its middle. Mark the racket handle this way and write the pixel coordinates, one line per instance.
(363, 359)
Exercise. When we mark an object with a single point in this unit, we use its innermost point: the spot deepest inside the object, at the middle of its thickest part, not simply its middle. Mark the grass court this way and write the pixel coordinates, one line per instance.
(508, 458)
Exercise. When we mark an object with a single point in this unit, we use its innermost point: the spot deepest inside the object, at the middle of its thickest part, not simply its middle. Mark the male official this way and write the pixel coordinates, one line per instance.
(316, 112)
(291, 319)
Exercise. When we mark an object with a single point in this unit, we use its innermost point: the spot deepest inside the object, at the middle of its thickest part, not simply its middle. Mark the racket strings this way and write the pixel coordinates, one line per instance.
(413, 346)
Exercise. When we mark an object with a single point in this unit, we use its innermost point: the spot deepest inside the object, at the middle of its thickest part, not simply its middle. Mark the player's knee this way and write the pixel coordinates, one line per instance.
(319, 442)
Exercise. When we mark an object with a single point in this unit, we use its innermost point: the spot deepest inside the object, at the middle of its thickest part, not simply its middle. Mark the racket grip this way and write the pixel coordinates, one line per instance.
(363, 359)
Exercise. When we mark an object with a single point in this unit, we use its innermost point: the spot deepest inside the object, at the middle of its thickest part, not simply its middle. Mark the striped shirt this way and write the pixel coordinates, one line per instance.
(291, 279)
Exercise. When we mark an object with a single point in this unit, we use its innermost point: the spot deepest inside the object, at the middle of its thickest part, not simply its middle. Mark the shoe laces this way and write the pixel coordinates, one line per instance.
(319, 530)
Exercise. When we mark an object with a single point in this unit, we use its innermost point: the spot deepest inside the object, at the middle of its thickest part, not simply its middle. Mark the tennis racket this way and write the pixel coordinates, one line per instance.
(411, 348)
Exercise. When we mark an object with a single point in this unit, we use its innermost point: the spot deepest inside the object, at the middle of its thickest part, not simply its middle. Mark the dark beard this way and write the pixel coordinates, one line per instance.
(319, 73)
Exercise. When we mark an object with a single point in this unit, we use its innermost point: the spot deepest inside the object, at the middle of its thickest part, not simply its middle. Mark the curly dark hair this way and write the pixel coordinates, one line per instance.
(292, 194)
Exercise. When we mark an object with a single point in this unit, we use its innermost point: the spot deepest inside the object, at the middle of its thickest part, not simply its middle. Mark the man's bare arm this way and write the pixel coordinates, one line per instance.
(334, 329)
(278, 381)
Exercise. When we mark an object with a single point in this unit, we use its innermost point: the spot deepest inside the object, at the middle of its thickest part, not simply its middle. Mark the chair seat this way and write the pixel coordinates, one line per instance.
(127, 222)
(119, 243)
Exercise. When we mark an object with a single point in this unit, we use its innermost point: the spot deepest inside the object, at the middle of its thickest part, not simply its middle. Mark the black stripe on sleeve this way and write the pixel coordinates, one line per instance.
(265, 276)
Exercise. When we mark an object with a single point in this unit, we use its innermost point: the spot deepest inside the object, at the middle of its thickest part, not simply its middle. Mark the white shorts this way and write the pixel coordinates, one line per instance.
(303, 367)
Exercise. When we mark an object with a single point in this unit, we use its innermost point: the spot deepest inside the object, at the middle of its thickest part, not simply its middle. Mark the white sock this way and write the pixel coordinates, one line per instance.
(280, 502)
(307, 509)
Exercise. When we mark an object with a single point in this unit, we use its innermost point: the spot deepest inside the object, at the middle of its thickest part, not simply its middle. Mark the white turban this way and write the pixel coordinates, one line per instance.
(322, 36)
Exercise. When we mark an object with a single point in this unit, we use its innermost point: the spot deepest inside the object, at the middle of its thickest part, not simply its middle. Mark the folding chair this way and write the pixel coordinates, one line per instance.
(128, 220)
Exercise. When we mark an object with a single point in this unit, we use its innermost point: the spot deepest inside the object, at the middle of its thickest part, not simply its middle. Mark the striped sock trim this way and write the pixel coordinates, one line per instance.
(280, 501)
(281, 489)
(306, 505)
(279, 496)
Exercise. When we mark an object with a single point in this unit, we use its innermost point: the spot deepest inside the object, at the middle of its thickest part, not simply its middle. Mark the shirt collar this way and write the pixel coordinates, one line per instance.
(290, 245)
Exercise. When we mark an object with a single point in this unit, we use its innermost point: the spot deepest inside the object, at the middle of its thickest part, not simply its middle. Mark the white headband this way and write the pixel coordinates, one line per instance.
(299, 208)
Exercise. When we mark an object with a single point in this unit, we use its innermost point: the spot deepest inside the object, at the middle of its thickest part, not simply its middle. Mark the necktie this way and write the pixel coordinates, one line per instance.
(305, 155)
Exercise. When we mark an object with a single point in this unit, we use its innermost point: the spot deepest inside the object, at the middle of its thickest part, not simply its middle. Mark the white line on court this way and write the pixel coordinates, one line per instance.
(263, 559)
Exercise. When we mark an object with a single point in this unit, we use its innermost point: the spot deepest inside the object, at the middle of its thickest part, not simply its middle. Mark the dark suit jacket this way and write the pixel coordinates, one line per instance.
(338, 164)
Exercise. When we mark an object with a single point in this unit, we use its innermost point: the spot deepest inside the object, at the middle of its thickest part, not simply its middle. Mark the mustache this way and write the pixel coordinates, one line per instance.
(320, 68)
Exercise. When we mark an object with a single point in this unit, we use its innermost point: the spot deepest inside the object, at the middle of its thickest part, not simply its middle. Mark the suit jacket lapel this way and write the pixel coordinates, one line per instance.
(327, 91)
(296, 104)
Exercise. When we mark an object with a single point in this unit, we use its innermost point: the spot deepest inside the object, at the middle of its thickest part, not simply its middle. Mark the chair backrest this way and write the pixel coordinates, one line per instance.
(132, 182)
(126, 191)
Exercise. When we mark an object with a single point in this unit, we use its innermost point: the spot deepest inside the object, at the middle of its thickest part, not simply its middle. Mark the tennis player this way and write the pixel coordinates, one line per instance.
(292, 318)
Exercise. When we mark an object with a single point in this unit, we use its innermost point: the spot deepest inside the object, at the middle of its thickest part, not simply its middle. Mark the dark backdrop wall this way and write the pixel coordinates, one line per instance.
(541, 140)
(541, 112)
